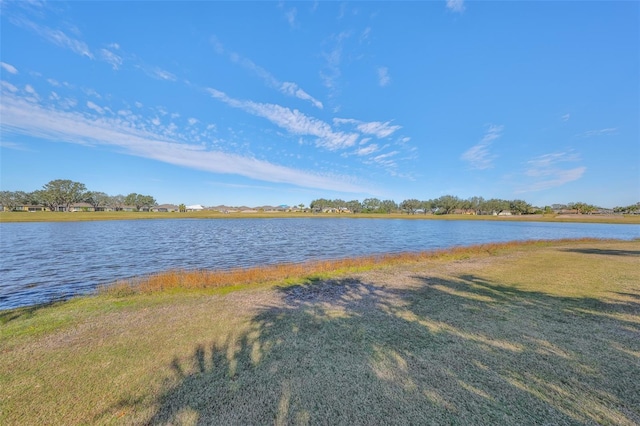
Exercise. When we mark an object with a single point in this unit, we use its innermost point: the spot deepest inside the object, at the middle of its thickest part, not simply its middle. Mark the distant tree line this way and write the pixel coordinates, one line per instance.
(448, 204)
(61, 194)
(632, 209)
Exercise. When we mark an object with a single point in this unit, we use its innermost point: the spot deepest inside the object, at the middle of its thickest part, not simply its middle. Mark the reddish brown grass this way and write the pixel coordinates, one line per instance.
(202, 278)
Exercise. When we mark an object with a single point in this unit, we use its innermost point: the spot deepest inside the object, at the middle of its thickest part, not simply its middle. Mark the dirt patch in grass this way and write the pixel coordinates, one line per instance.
(544, 334)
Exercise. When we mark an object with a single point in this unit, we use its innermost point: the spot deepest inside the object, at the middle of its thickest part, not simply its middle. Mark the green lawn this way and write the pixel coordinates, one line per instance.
(532, 334)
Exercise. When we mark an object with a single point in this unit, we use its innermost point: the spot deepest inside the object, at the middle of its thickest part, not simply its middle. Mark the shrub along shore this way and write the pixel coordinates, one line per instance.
(527, 333)
(120, 215)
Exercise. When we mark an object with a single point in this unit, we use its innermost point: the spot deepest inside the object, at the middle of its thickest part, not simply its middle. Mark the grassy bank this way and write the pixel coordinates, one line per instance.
(518, 333)
(93, 216)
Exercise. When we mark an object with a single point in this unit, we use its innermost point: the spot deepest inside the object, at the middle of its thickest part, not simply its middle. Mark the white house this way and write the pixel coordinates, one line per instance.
(195, 208)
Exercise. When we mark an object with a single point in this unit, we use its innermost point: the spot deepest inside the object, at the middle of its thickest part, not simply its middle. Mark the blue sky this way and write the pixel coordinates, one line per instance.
(254, 103)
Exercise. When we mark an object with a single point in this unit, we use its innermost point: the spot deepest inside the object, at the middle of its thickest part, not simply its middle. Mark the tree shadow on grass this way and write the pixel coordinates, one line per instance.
(9, 315)
(456, 351)
(604, 252)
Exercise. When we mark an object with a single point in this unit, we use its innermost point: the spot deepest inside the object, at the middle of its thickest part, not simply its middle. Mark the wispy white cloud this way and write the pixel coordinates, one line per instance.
(192, 121)
(383, 76)
(478, 156)
(68, 103)
(456, 5)
(286, 88)
(217, 45)
(291, 17)
(26, 118)
(366, 33)
(111, 58)
(289, 14)
(14, 146)
(333, 60)
(8, 86)
(293, 121)
(56, 37)
(386, 160)
(377, 128)
(160, 74)
(599, 132)
(95, 107)
(91, 92)
(367, 150)
(566, 117)
(33, 95)
(9, 68)
(547, 171)
(292, 89)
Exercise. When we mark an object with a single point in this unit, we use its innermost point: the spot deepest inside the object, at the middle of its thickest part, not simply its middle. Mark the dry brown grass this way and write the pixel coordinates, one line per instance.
(296, 272)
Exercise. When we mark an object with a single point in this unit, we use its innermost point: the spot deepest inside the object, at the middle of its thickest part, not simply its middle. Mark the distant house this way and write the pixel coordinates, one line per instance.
(165, 208)
(195, 208)
(27, 208)
(81, 207)
(464, 211)
(330, 210)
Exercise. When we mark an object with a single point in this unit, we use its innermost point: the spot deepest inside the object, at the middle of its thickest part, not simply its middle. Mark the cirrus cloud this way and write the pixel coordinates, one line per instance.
(20, 116)
(9, 68)
(547, 171)
(478, 156)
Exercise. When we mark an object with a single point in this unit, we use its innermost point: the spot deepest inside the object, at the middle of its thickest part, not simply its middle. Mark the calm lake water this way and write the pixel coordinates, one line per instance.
(40, 262)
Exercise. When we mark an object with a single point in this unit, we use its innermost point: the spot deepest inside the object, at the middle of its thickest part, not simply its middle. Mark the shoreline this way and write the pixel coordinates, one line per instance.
(237, 279)
(30, 217)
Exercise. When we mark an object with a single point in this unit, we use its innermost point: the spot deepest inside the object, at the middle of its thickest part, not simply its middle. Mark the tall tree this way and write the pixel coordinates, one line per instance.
(447, 204)
(520, 207)
(427, 206)
(371, 205)
(476, 203)
(63, 192)
(319, 204)
(12, 199)
(146, 201)
(410, 206)
(354, 206)
(496, 206)
(582, 208)
(339, 204)
(388, 206)
(116, 202)
(140, 201)
(131, 200)
(632, 209)
(97, 199)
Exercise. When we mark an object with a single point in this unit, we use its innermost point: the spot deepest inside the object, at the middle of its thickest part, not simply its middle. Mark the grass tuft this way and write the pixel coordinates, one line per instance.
(295, 273)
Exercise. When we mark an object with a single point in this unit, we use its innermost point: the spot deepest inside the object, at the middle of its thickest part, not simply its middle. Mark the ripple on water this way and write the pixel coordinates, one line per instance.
(45, 261)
